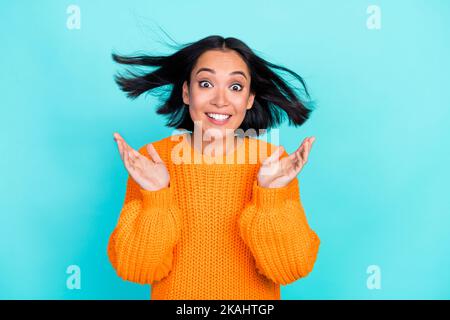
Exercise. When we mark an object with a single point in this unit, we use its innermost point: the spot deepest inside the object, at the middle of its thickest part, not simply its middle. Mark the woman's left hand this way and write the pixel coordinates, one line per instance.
(277, 173)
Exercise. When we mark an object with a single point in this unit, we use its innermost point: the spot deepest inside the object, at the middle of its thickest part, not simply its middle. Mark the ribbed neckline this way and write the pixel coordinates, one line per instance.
(231, 154)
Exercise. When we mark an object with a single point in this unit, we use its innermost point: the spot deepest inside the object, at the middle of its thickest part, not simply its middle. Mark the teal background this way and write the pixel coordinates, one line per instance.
(375, 187)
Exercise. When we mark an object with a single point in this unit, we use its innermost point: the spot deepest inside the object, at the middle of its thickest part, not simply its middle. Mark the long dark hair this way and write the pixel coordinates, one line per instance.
(274, 97)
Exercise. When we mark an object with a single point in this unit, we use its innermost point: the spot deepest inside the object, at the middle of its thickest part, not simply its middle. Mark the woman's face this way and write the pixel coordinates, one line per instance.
(219, 93)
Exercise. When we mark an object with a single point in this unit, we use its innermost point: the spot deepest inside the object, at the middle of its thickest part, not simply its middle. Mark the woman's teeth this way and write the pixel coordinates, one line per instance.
(217, 116)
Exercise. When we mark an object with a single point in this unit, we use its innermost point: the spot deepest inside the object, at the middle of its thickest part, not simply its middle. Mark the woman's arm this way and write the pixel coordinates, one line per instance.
(141, 246)
(275, 228)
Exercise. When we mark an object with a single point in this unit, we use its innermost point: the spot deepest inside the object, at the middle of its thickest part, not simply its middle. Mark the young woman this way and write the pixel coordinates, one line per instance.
(214, 229)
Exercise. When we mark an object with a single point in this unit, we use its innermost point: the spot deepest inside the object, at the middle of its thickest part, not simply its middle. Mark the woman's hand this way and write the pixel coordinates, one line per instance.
(150, 174)
(277, 173)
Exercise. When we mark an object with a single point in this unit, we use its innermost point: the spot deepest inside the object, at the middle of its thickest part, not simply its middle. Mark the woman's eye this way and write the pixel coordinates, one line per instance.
(201, 82)
(236, 85)
(206, 84)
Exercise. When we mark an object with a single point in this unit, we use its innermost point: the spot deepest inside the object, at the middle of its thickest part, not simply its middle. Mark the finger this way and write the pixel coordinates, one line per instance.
(302, 146)
(297, 153)
(304, 151)
(117, 136)
(120, 146)
(306, 141)
(298, 158)
(136, 154)
(126, 161)
(117, 144)
(131, 163)
(275, 155)
(118, 139)
(153, 153)
(124, 144)
(310, 142)
(127, 151)
(136, 158)
(132, 153)
(292, 162)
(125, 148)
(307, 152)
(298, 163)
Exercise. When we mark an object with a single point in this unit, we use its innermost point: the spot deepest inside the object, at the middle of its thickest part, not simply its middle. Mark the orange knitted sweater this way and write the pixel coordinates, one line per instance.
(213, 233)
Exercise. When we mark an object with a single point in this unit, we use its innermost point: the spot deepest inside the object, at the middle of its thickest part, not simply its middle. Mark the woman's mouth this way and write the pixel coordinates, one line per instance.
(218, 118)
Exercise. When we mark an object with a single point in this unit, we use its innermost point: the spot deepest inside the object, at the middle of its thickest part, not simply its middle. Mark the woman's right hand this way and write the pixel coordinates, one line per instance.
(150, 174)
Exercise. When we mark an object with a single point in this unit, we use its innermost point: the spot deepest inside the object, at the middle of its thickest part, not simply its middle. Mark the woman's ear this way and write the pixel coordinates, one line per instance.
(251, 99)
(185, 93)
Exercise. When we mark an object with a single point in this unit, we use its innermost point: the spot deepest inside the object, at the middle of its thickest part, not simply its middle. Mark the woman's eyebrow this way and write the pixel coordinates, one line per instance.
(212, 71)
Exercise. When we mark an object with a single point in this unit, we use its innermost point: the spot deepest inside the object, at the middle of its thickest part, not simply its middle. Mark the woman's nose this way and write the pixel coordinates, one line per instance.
(220, 99)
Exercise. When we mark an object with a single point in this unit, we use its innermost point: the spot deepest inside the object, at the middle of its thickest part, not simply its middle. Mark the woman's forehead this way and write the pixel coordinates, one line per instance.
(219, 62)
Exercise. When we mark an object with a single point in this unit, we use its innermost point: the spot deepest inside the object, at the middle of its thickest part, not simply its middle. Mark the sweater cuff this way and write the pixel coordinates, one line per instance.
(271, 197)
(160, 198)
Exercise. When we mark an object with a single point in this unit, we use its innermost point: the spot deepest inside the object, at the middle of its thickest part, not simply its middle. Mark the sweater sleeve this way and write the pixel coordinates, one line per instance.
(274, 227)
(141, 246)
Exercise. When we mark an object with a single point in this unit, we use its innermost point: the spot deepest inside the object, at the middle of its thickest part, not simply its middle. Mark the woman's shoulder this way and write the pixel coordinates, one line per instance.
(162, 146)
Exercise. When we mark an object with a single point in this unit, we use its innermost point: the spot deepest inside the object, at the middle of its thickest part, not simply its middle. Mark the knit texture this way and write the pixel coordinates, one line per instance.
(213, 233)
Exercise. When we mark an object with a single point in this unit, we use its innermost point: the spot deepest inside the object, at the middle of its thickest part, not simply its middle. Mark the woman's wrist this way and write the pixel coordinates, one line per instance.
(150, 188)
